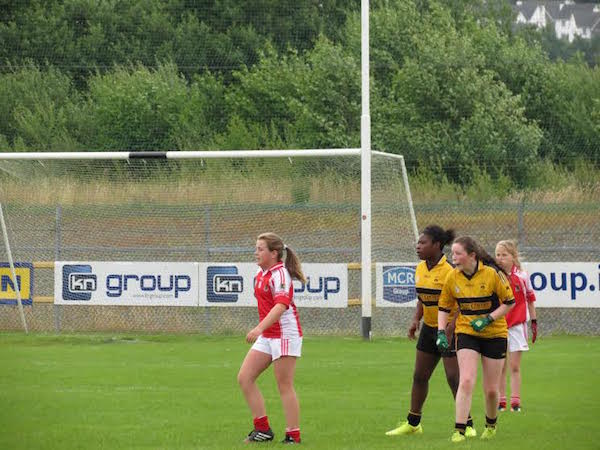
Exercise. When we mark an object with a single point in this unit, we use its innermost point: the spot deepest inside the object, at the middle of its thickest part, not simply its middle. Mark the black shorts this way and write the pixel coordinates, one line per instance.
(494, 348)
(426, 343)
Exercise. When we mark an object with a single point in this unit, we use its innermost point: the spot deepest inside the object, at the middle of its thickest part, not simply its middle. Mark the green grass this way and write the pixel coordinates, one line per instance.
(180, 392)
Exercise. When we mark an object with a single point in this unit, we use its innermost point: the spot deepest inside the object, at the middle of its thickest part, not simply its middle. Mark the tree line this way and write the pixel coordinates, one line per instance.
(454, 87)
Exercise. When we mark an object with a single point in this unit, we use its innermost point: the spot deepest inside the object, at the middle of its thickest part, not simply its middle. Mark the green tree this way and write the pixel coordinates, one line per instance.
(37, 108)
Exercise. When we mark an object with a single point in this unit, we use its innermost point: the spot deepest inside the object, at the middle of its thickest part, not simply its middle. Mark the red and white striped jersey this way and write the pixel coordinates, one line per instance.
(274, 286)
(523, 292)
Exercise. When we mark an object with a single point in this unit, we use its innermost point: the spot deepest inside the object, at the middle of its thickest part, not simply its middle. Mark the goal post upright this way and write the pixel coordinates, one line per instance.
(365, 141)
(408, 194)
(13, 272)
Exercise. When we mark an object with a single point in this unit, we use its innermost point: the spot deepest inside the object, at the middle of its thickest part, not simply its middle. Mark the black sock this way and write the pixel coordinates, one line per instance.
(470, 421)
(460, 427)
(413, 418)
(490, 423)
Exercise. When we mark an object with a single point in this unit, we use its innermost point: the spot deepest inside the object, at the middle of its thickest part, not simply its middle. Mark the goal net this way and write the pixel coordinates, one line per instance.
(191, 208)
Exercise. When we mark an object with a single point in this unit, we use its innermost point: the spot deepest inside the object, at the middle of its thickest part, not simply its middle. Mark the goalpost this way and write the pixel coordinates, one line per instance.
(203, 206)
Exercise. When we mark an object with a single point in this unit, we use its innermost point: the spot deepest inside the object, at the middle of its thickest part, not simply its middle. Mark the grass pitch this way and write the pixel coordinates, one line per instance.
(180, 392)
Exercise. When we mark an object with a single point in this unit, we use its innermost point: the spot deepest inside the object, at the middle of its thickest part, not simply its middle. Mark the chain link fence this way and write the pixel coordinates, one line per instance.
(552, 233)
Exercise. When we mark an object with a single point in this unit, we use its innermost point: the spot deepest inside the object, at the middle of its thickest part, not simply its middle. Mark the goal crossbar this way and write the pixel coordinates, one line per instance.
(199, 154)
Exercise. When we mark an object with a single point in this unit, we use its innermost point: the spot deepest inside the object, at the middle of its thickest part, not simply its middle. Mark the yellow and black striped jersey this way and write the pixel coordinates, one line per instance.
(477, 296)
(428, 284)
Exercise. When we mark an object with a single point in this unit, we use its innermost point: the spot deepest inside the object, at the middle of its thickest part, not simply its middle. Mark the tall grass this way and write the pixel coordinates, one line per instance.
(260, 181)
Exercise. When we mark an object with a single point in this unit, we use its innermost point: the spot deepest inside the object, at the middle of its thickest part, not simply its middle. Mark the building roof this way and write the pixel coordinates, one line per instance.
(583, 13)
(527, 8)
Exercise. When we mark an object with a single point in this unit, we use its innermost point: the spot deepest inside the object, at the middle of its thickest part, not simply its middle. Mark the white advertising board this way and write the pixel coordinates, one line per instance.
(395, 284)
(126, 283)
(232, 284)
(565, 285)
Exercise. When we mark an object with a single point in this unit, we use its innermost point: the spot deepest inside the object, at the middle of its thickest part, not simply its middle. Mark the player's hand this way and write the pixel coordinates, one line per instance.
(480, 323)
(253, 335)
(533, 330)
(414, 327)
(442, 341)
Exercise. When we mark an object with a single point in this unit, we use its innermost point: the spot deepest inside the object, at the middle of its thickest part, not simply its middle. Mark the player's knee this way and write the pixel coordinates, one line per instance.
(421, 378)
(285, 385)
(467, 383)
(491, 392)
(243, 379)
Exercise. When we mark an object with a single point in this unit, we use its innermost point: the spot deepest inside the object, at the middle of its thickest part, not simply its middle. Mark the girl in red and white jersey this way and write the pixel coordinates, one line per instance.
(507, 256)
(277, 338)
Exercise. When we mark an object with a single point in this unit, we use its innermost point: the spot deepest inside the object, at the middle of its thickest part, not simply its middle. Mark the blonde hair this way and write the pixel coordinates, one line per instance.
(292, 263)
(511, 247)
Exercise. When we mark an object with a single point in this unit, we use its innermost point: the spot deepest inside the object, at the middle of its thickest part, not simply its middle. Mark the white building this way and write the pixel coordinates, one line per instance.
(569, 19)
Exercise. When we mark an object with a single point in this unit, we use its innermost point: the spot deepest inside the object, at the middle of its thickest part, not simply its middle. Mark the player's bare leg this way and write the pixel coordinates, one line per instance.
(425, 364)
(284, 369)
(453, 379)
(452, 374)
(254, 364)
(515, 380)
(502, 387)
(467, 363)
(492, 371)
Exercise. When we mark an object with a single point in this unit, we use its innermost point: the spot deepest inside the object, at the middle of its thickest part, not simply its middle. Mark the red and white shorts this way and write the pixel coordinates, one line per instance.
(279, 347)
(517, 338)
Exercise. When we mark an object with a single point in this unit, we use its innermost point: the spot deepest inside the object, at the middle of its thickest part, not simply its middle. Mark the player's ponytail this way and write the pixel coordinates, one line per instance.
(292, 263)
(438, 234)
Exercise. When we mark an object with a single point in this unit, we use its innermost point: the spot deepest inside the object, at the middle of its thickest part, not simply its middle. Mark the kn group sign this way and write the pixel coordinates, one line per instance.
(187, 284)
(565, 285)
(126, 283)
(233, 285)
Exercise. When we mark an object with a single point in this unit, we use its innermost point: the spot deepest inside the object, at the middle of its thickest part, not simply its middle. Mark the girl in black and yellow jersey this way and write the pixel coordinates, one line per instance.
(429, 279)
(484, 296)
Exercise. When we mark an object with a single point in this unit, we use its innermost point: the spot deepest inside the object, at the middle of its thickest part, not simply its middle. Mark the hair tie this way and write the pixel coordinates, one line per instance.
(284, 247)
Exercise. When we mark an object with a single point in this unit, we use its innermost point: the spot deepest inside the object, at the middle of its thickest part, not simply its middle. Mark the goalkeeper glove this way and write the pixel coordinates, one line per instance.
(442, 341)
(533, 330)
(481, 323)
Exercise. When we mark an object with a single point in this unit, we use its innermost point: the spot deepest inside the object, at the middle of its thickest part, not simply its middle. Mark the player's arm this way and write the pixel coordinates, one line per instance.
(273, 316)
(414, 325)
(451, 326)
(533, 315)
(445, 304)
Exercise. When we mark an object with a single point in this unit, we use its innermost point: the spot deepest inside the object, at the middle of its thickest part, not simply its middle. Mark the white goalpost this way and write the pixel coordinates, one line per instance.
(204, 206)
